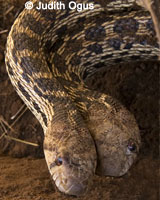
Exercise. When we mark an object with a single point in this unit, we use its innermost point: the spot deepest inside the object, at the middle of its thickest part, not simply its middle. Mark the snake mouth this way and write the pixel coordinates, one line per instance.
(115, 164)
(70, 185)
(115, 168)
(71, 180)
(127, 165)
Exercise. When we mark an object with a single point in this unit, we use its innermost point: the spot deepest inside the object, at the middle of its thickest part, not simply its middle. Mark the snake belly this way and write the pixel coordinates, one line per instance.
(49, 55)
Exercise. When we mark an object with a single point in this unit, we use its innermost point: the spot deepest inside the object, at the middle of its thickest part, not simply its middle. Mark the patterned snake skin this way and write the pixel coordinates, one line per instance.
(50, 55)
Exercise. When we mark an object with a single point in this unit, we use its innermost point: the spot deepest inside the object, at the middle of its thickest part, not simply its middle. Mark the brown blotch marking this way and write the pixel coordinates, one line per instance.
(75, 60)
(45, 84)
(146, 40)
(73, 44)
(37, 108)
(52, 98)
(127, 26)
(37, 91)
(49, 47)
(30, 65)
(22, 41)
(115, 43)
(85, 74)
(151, 28)
(14, 55)
(95, 48)
(10, 71)
(44, 118)
(75, 78)
(99, 65)
(78, 27)
(30, 22)
(25, 77)
(49, 15)
(24, 92)
(95, 33)
(87, 55)
(127, 46)
(59, 63)
(61, 31)
(142, 13)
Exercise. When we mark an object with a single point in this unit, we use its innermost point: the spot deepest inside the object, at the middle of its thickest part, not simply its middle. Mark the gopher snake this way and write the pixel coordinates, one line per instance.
(50, 54)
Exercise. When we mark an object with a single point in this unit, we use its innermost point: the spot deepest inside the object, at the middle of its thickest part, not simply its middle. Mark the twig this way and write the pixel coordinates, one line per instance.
(4, 31)
(4, 134)
(21, 108)
(9, 10)
(19, 140)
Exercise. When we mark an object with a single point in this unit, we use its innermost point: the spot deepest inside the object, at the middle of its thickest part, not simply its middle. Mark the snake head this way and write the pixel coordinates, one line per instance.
(71, 158)
(116, 137)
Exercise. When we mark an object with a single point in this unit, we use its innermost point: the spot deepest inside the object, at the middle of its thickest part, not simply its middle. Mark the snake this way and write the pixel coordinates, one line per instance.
(50, 56)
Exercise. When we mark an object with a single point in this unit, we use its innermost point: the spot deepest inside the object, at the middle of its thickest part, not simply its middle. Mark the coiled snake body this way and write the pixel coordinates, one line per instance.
(50, 55)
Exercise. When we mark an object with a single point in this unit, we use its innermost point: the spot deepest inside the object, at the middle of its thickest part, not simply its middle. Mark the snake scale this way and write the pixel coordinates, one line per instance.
(49, 56)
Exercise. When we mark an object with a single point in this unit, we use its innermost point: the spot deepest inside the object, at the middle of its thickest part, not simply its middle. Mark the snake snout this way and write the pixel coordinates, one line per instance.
(71, 186)
(76, 188)
(70, 177)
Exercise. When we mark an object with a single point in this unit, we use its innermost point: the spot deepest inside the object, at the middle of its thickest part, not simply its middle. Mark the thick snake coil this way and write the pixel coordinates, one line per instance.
(50, 55)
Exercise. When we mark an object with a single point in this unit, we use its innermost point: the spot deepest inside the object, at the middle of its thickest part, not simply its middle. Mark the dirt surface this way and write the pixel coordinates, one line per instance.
(23, 171)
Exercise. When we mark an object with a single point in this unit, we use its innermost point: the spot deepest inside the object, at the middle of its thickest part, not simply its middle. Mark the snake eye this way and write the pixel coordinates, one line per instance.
(131, 146)
(58, 161)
